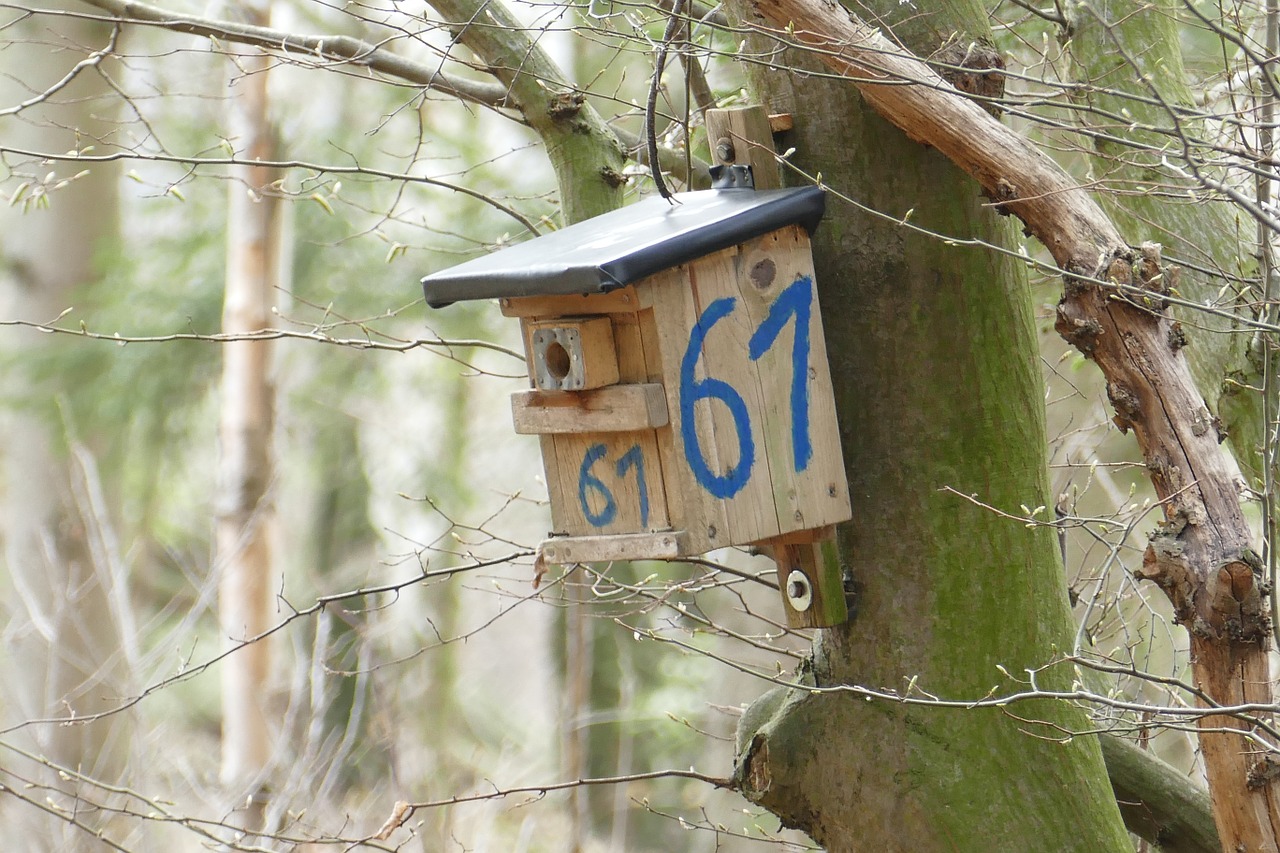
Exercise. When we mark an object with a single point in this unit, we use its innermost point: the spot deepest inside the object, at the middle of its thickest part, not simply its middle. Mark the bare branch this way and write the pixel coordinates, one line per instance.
(314, 49)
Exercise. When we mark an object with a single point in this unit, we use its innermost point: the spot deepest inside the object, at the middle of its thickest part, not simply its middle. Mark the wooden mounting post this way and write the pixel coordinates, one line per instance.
(810, 578)
(809, 574)
(742, 136)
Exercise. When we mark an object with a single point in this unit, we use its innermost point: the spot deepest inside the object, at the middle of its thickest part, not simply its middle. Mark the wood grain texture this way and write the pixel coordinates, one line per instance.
(618, 408)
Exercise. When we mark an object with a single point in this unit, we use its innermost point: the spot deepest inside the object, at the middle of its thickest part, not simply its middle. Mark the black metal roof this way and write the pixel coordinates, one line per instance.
(626, 245)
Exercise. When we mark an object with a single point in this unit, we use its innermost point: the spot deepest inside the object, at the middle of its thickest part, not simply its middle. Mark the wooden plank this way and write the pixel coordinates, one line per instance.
(744, 134)
(608, 483)
(799, 432)
(633, 368)
(663, 545)
(559, 499)
(618, 408)
(622, 300)
(683, 507)
(701, 515)
(809, 579)
(731, 391)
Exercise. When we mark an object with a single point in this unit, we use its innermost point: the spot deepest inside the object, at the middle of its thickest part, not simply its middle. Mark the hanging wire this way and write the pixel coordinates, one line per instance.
(651, 107)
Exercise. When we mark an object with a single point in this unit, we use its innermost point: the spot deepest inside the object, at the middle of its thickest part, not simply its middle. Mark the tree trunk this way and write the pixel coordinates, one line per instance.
(1113, 312)
(244, 511)
(65, 641)
(1127, 59)
(933, 356)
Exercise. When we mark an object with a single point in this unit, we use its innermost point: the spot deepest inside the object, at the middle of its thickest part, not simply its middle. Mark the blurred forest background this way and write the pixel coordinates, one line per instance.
(170, 195)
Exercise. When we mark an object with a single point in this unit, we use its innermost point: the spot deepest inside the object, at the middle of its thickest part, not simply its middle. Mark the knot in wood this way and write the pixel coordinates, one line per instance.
(1081, 332)
(1120, 271)
(1164, 564)
(565, 105)
(975, 68)
(1004, 192)
(763, 273)
(612, 177)
(1233, 606)
(1263, 773)
(1127, 405)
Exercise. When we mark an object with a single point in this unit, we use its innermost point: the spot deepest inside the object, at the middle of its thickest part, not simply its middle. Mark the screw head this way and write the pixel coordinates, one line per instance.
(799, 591)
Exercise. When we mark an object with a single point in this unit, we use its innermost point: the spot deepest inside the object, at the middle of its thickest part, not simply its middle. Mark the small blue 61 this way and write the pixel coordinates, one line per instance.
(630, 461)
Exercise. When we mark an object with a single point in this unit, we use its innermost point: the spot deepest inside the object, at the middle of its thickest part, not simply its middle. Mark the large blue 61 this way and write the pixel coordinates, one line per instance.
(795, 301)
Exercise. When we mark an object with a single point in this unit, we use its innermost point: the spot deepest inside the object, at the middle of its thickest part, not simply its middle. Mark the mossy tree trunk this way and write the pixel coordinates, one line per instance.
(938, 387)
(1127, 58)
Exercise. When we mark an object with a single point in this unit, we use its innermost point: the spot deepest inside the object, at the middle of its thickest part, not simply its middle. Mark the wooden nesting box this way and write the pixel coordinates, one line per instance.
(679, 383)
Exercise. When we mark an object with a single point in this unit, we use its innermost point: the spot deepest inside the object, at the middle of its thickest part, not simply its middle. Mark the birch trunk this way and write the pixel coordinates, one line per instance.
(247, 576)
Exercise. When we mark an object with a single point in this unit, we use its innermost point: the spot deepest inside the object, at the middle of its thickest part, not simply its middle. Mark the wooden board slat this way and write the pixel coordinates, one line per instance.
(728, 385)
(816, 566)
(609, 483)
(663, 545)
(747, 131)
(617, 408)
(622, 300)
(703, 517)
(801, 442)
(556, 494)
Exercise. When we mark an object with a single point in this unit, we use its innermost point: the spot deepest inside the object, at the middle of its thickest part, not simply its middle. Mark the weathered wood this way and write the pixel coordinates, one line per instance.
(673, 312)
(618, 408)
(571, 353)
(623, 300)
(815, 493)
(609, 483)
(1201, 557)
(664, 545)
(809, 579)
(743, 136)
(724, 358)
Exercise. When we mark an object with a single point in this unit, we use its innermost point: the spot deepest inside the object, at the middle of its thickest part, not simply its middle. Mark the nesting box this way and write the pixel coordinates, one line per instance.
(678, 382)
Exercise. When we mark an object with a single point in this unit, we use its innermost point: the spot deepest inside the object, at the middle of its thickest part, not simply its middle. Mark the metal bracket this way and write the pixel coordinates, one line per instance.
(735, 177)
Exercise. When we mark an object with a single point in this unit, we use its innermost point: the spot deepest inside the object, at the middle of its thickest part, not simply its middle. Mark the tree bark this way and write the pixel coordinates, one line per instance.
(933, 359)
(244, 510)
(1159, 803)
(1201, 557)
(1127, 58)
(65, 642)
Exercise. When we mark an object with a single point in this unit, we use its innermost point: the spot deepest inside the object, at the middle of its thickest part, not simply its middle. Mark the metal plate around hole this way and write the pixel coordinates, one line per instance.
(571, 341)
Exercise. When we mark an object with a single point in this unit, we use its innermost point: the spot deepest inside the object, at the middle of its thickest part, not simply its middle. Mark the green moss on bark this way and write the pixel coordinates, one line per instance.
(938, 389)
